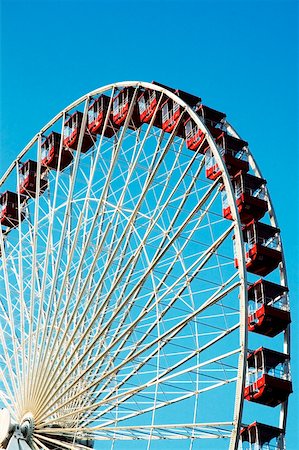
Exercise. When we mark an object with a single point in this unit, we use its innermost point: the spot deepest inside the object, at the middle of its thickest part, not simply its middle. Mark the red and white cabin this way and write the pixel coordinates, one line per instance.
(269, 312)
(250, 198)
(28, 178)
(50, 152)
(268, 377)
(258, 434)
(262, 248)
(97, 113)
(172, 112)
(9, 209)
(121, 106)
(71, 133)
(147, 104)
(233, 151)
(211, 117)
(195, 137)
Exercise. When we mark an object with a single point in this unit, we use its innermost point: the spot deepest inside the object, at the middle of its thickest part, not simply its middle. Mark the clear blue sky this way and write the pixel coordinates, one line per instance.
(241, 57)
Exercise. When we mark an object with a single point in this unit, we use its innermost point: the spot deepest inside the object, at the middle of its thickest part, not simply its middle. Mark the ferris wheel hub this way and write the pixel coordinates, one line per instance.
(8, 428)
(27, 426)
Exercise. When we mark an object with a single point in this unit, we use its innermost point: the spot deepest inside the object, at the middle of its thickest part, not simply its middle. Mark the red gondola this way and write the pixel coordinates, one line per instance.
(190, 99)
(262, 247)
(260, 434)
(172, 111)
(28, 178)
(71, 133)
(269, 312)
(9, 209)
(50, 152)
(269, 381)
(147, 104)
(250, 198)
(194, 136)
(211, 117)
(121, 106)
(233, 152)
(171, 114)
(96, 117)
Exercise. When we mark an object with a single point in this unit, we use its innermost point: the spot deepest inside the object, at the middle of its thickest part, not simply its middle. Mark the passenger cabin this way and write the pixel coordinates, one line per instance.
(250, 198)
(147, 104)
(268, 377)
(28, 178)
(97, 113)
(171, 115)
(233, 151)
(211, 117)
(121, 106)
(172, 112)
(262, 248)
(71, 133)
(269, 312)
(50, 152)
(9, 209)
(260, 436)
(195, 137)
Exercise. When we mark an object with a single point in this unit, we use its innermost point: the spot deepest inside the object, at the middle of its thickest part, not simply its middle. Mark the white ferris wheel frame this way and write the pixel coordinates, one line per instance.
(239, 247)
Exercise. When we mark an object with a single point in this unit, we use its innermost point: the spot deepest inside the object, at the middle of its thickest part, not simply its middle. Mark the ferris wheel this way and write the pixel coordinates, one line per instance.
(143, 293)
